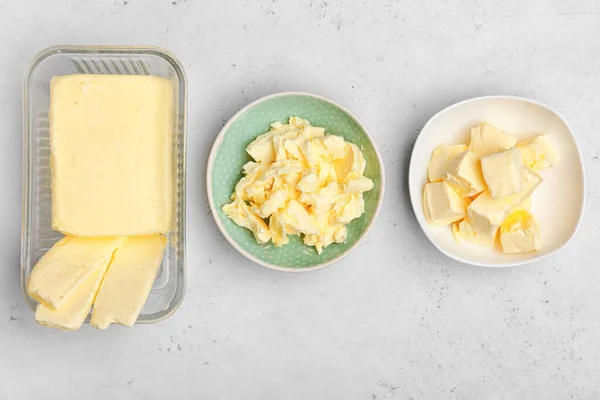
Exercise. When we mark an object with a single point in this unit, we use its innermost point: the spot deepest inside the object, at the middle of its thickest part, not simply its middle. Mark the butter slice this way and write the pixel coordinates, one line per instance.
(128, 281)
(531, 181)
(463, 173)
(474, 235)
(60, 273)
(538, 152)
(111, 154)
(519, 233)
(486, 139)
(504, 173)
(71, 315)
(442, 205)
(439, 156)
(486, 214)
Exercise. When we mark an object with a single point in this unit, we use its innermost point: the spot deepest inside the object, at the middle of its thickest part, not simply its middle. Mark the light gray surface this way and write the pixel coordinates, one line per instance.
(395, 320)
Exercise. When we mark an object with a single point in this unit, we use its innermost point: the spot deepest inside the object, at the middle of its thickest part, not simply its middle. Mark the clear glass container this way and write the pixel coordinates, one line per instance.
(37, 235)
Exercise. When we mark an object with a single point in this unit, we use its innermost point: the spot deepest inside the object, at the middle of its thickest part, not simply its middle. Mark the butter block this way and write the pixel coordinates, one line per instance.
(111, 156)
(538, 152)
(486, 214)
(520, 232)
(486, 139)
(504, 173)
(439, 156)
(531, 181)
(442, 205)
(468, 232)
(60, 273)
(71, 315)
(463, 173)
(128, 281)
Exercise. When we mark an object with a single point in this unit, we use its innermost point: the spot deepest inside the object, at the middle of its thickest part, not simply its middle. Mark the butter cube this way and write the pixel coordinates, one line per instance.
(463, 173)
(531, 181)
(486, 139)
(71, 315)
(111, 166)
(60, 273)
(128, 281)
(504, 173)
(439, 156)
(442, 205)
(486, 214)
(519, 233)
(538, 152)
(467, 231)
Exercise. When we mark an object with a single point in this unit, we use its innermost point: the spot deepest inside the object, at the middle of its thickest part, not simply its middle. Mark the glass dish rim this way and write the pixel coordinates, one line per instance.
(26, 115)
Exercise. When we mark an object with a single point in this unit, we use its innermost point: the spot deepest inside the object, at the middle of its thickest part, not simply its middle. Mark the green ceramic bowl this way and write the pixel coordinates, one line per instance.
(228, 155)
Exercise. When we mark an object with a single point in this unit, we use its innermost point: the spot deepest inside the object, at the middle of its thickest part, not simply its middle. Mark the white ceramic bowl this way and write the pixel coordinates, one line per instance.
(557, 203)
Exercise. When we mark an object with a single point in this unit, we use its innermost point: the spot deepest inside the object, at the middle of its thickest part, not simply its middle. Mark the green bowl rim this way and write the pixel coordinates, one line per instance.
(213, 154)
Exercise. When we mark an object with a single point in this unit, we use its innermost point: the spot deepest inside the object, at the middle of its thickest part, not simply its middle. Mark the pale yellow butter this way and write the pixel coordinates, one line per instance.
(71, 315)
(504, 173)
(520, 232)
(538, 152)
(442, 205)
(467, 231)
(128, 281)
(531, 180)
(463, 172)
(305, 182)
(486, 139)
(486, 214)
(59, 274)
(111, 166)
(439, 156)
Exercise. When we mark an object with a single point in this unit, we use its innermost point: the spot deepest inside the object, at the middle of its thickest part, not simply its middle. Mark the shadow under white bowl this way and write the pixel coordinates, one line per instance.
(557, 203)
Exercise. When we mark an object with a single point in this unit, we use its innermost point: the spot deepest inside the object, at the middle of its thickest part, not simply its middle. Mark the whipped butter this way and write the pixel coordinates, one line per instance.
(300, 182)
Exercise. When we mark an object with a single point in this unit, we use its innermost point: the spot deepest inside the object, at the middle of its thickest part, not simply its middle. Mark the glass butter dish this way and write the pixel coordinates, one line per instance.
(37, 234)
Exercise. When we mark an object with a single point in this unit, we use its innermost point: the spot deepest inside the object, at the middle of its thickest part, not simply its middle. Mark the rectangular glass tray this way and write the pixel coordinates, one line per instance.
(37, 235)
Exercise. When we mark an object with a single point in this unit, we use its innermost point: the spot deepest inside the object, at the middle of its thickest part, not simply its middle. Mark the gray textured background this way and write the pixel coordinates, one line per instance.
(396, 320)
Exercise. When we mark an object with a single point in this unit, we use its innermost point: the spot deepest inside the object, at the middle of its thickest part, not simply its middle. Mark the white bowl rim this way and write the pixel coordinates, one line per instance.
(213, 155)
(416, 200)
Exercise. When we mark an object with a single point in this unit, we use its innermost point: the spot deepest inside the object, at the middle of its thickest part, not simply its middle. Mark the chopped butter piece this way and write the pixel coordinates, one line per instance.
(486, 139)
(128, 281)
(463, 172)
(520, 232)
(486, 214)
(504, 173)
(439, 156)
(531, 181)
(60, 273)
(538, 152)
(442, 205)
(467, 231)
(111, 149)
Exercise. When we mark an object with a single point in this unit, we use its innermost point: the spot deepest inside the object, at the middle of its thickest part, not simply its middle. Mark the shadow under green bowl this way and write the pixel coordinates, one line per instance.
(228, 155)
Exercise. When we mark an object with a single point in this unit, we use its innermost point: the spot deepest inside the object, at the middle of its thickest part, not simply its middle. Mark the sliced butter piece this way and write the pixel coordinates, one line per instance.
(504, 173)
(520, 232)
(486, 139)
(66, 266)
(71, 315)
(111, 154)
(463, 173)
(439, 156)
(538, 152)
(442, 205)
(128, 281)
